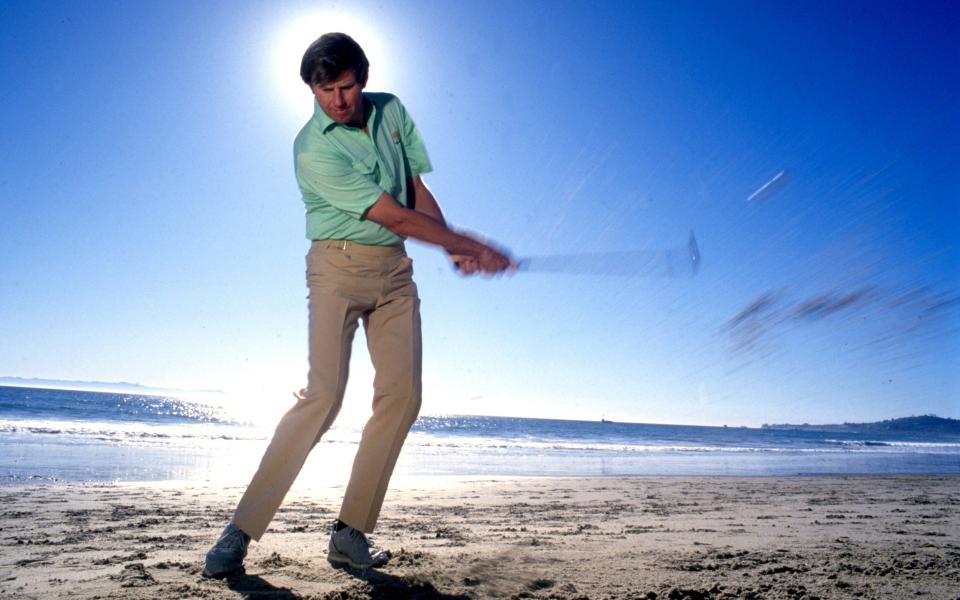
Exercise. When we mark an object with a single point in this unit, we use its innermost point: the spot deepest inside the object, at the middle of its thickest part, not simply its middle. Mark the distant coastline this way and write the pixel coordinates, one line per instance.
(101, 386)
(920, 424)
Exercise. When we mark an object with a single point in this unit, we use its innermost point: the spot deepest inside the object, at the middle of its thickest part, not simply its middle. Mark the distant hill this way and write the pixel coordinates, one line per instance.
(100, 386)
(921, 424)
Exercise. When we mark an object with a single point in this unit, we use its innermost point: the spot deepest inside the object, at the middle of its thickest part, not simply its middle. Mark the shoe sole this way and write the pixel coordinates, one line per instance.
(339, 560)
(223, 575)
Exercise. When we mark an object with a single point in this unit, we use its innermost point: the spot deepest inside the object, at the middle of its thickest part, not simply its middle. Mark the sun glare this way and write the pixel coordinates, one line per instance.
(294, 37)
(261, 394)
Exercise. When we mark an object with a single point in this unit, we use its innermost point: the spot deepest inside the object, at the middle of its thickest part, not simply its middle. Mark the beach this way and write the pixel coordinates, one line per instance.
(562, 538)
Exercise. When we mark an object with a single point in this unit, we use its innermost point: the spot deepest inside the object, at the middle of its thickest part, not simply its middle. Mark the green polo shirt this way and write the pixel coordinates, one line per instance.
(342, 171)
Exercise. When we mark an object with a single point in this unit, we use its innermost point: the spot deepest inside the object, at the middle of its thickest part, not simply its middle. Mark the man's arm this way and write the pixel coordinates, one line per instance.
(421, 225)
(424, 201)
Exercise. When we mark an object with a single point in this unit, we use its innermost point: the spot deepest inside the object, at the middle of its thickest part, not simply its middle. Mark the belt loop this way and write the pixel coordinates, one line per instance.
(343, 245)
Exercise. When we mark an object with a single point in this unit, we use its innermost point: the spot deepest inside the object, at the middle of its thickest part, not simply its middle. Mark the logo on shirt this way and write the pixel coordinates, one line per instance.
(396, 137)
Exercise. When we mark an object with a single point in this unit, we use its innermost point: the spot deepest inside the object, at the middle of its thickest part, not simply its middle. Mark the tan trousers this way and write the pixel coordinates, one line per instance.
(348, 282)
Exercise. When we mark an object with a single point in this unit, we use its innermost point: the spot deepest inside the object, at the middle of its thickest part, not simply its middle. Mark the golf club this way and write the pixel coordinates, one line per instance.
(671, 262)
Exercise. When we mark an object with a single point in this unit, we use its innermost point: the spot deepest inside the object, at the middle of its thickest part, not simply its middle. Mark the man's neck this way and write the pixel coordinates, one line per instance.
(361, 123)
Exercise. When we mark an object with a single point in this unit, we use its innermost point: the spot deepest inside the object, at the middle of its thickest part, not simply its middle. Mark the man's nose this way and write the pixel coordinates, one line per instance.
(338, 96)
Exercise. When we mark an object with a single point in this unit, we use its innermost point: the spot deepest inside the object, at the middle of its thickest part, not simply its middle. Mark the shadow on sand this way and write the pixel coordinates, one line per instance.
(254, 586)
(379, 586)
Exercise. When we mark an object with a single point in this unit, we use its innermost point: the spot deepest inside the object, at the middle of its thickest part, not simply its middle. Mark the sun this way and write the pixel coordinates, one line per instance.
(292, 40)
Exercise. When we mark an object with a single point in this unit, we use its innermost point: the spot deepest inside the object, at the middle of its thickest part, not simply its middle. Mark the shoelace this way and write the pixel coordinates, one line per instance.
(359, 534)
(234, 539)
(366, 547)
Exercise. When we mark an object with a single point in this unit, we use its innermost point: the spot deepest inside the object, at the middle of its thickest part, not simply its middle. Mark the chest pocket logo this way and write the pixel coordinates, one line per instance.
(395, 136)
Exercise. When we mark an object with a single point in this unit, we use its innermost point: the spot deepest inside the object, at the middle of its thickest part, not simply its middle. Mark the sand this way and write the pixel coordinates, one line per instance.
(642, 537)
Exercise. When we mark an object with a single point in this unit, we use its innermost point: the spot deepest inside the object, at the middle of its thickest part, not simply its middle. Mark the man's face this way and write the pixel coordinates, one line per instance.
(341, 99)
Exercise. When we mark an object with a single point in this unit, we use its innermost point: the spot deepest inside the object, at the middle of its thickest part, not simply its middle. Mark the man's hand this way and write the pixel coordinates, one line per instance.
(463, 264)
(478, 257)
(488, 261)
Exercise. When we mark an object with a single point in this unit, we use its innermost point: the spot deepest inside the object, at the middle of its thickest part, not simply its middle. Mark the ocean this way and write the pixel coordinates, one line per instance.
(65, 435)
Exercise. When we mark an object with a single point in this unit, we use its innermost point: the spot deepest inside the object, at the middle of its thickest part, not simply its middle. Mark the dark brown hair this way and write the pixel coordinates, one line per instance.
(330, 56)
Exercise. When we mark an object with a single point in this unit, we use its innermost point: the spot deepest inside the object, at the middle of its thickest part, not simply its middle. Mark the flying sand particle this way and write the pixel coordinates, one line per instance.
(767, 190)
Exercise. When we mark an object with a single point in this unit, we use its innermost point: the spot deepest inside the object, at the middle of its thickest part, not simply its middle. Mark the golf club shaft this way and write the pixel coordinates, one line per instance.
(672, 262)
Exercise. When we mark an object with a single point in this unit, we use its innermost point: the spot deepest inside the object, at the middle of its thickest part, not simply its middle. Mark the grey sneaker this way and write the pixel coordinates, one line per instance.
(351, 547)
(226, 556)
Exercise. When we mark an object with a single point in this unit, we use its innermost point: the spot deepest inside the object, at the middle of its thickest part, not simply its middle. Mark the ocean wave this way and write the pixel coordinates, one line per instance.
(427, 441)
(155, 434)
(436, 442)
(132, 432)
(892, 444)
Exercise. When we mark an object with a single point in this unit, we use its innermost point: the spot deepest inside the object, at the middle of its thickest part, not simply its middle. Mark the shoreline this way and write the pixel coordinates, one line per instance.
(400, 482)
(30, 459)
(566, 538)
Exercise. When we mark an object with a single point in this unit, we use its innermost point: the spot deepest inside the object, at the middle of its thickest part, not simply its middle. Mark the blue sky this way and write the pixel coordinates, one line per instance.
(152, 230)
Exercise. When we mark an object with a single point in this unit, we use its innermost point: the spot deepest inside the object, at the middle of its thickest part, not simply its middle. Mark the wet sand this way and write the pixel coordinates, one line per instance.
(577, 538)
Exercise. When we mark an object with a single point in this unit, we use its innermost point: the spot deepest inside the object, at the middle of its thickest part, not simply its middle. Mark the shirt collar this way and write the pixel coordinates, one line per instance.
(326, 123)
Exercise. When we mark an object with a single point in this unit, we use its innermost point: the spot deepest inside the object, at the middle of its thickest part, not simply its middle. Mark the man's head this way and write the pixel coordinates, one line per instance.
(330, 56)
(335, 68)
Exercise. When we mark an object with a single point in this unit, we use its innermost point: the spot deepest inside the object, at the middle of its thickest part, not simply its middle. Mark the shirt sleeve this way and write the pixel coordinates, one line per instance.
(350, 188)
(414, 149)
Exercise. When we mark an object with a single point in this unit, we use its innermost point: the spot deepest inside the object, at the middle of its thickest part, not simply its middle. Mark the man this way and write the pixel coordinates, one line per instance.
(358, 163)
